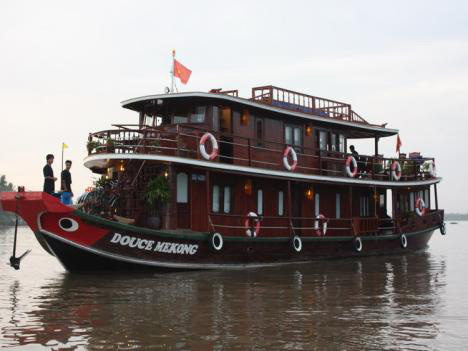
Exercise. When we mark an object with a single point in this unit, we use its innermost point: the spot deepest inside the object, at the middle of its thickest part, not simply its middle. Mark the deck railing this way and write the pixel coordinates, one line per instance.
(184, 140)
(280, 226)
(295, 101)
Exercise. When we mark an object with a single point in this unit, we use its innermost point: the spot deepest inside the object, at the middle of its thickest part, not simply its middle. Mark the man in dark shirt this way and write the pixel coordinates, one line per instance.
(49, 179)
(66, 181)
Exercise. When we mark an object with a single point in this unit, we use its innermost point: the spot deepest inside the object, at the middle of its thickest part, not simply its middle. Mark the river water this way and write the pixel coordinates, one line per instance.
(408, 302)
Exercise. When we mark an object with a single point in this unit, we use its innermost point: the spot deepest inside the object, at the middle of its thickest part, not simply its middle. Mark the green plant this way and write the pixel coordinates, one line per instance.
(91, 145)
(101, 182)
(157, 191)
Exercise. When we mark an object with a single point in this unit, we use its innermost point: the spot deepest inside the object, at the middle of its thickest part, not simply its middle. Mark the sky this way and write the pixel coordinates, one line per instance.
(65, 67)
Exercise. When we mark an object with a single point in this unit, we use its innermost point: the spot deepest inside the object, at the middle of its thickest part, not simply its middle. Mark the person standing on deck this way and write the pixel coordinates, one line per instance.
(49, 179)
(66, 181)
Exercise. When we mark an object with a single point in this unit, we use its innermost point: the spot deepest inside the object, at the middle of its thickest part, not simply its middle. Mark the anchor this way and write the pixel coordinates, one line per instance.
(15, 261)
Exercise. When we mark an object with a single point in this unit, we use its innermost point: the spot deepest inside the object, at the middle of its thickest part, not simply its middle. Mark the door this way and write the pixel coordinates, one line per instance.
(225, 124)
(199, 206)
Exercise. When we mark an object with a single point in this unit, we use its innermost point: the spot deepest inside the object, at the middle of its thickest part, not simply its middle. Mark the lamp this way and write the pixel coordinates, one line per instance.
(248, 187)
(309, 194)
(308, 130)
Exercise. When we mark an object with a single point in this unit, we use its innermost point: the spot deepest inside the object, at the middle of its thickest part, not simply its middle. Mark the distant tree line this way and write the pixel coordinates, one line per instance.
(456, 216)
(6, 218)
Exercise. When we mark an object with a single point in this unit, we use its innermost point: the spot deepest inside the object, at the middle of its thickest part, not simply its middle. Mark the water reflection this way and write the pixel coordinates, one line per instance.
(372, 303)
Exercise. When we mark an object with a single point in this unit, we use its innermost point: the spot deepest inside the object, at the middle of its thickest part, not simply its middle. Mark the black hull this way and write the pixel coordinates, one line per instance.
(81, 259)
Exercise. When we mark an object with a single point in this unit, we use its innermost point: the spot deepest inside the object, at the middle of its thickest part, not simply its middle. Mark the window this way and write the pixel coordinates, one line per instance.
(227, 199)
(215, 198)
(259, 131)
(297, 137)
(323, 140)
(280, 203)
(180, 113)
(288, 138)
(342, 143)
(364, 206)
(149, 120)
(198, 114)
(411, 201)
(338, 205)
(427, 198)
(182, 188)
(216, 118)
(293, 136)
(317, 204)
(333, 142)
(260, 202)
(382, 200)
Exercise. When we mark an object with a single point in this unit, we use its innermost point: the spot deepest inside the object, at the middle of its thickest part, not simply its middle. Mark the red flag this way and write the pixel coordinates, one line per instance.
(398, 143)
(181, 71)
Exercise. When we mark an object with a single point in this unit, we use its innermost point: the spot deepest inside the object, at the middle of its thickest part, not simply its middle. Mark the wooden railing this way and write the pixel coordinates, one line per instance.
(183, 141)
(295, 101)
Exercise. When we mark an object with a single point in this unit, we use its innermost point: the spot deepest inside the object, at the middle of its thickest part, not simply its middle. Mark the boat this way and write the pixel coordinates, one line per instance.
(211, 180)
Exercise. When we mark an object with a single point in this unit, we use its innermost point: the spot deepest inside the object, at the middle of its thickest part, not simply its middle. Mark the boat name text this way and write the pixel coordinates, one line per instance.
(151, 245)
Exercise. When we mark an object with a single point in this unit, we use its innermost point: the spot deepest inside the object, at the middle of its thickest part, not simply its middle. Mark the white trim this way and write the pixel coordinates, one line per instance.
(262, 106)
(161, 263)
(101, 160)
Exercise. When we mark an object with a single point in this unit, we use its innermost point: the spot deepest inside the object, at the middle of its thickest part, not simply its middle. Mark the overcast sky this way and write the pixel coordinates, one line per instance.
(65, 66)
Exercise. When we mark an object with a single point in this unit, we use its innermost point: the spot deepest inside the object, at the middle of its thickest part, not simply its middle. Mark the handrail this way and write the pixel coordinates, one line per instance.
(182, 140)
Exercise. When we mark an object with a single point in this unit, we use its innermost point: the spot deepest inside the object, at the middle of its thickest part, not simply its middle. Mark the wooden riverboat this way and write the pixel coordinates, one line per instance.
(212, 180)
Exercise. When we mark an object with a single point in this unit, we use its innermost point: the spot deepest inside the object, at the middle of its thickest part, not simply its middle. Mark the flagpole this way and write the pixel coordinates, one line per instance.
(62, 157)
(172, 72)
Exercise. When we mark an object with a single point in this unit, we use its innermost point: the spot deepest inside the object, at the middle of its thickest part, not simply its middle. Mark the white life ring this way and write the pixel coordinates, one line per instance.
(214, 144)
(216, 241)
(420, 207)
(296, 243)
(396, 170)
(252, 216)
(357, 244)
(286, 164)
(350, 160)
(432, 169)
(321, 228)
(403, 241)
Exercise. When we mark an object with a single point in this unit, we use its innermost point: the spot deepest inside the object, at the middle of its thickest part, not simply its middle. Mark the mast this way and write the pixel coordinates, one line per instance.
(172, 72)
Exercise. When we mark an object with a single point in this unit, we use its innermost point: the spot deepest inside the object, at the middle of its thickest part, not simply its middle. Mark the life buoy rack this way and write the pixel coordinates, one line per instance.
(395, 170)
(321, 225)
(216, 241)
(357, 244)
(403, 241)
(252, 216)
(289, 150)
(351, 160)
(214, 144)
(420, 207)
(296, 243)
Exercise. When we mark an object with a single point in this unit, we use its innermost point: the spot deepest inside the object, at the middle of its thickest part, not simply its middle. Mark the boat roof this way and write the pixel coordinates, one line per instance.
(360, 129)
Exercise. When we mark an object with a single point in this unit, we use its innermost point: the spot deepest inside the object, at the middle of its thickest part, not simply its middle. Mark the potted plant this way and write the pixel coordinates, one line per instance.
(157, 195)
(91, 146)
(110, 145)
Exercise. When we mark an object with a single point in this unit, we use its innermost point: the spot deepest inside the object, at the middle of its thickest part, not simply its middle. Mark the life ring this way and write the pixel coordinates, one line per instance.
(396, 170)
(216, 241)
(357, 244)
(321, 228)
(296, 243)
(420, 207)
(443, 229)
(214, 144)
(350, 160)
(403, 241)
(432, 169)
(252, 216)
(286, 164)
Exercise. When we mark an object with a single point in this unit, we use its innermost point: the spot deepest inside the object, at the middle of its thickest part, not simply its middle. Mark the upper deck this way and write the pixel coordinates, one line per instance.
(253, 135)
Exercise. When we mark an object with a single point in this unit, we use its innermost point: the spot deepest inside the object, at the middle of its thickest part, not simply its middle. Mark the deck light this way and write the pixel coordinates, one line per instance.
(308, 130)
(309, 194)
(248, 187)
(166, 174)
(245, 117)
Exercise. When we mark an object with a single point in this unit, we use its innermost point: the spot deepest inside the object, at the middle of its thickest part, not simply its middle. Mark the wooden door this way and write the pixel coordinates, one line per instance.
(183, 201)
(199, 215)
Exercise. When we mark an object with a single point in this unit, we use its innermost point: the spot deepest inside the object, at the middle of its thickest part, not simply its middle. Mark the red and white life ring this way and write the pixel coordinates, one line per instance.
(395, 170)
(214, 145)
(350, 160)
(321, 225)
(254, 217)
(420, 207)
(289, 150)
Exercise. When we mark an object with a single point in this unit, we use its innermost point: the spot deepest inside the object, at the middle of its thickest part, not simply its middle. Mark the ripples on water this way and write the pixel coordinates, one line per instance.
(411, 302)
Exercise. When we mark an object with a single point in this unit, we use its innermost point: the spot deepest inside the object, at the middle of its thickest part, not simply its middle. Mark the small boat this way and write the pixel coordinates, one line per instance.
(215, 181)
